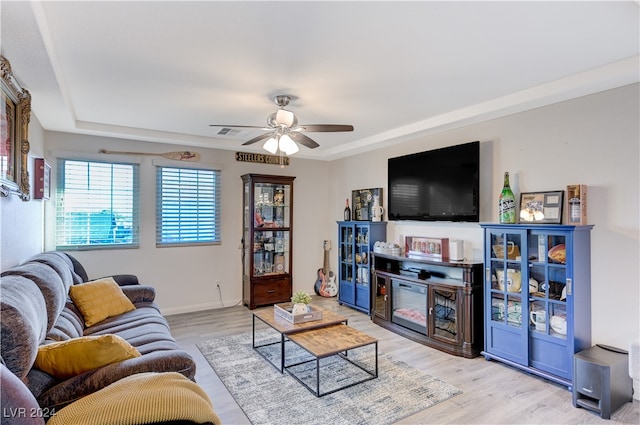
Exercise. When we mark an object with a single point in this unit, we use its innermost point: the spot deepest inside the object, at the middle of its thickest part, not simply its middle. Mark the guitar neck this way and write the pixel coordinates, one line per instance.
(325, 265)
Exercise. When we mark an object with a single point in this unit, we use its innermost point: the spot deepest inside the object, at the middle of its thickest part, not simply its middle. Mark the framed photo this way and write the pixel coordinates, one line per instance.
(541, 207)
(15, 113)
(362, 201)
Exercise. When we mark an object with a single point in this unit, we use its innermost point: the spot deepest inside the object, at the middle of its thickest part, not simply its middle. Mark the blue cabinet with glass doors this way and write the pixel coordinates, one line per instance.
(537, 297)
(355, 245)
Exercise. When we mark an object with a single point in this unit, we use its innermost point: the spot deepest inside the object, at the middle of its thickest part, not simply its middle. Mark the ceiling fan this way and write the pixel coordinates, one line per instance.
(284, 130)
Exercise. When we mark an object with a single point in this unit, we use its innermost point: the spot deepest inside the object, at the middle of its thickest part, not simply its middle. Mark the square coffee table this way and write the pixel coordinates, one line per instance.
(286, 328)
(329, 341)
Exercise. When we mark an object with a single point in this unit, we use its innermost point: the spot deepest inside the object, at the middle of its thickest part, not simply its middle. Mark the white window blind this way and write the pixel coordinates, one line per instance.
(97, 205)
(188, 206)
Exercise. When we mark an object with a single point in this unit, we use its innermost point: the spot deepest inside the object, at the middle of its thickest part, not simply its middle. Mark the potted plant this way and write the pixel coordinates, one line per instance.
(300, 302)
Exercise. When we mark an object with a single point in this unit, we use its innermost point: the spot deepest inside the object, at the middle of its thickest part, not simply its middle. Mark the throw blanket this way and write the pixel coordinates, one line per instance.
(140, 399)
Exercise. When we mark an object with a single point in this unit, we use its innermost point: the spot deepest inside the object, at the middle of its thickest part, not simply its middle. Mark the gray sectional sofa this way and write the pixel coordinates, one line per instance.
(37, 309)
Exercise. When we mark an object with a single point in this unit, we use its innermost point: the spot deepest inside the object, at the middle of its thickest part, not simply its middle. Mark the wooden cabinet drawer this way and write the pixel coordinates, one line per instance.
(272, 291)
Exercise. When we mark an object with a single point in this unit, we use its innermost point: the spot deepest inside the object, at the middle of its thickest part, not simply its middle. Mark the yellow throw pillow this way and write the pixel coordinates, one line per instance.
(66, 359)
(100, 299)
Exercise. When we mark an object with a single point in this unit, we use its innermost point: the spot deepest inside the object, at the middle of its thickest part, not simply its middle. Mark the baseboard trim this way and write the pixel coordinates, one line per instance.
(199, 307)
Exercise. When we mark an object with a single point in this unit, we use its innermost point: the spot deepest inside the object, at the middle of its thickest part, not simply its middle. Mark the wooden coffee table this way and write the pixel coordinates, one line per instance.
(286, 329)
(329, 341)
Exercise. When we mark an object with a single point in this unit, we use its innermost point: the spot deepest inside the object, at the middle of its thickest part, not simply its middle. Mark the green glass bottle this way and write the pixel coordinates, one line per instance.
(507, 202)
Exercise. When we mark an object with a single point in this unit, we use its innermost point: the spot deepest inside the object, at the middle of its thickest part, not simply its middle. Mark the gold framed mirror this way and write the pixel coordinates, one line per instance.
(15, 114)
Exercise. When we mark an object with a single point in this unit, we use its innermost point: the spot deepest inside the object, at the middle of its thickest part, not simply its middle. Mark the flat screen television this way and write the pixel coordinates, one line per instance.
(437, 185)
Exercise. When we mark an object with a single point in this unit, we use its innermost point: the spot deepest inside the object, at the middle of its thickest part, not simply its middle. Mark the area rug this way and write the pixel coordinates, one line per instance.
(269, 397)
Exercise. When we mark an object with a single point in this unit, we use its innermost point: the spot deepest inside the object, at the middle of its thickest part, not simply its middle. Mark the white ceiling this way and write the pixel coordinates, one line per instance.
(163, 71)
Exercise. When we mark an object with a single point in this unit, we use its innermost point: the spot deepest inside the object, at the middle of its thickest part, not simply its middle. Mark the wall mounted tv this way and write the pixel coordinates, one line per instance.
(436, 185)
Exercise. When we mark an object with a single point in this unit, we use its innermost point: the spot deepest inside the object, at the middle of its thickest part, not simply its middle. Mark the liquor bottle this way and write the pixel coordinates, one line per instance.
(347, 212)
(574, 206)
(507, 202)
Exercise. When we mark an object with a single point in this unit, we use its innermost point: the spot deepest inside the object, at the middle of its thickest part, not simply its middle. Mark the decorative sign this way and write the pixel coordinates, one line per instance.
(42, 178)
(424, 247)
(362, 202)
(260, 158)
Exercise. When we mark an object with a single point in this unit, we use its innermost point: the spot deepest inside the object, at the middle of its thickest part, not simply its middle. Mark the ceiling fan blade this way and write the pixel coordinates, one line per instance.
(304, 140)
(325, 127)
(257, 139)
(240, 126)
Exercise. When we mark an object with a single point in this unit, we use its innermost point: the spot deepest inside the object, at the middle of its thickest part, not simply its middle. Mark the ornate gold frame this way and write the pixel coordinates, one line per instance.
(16, 180)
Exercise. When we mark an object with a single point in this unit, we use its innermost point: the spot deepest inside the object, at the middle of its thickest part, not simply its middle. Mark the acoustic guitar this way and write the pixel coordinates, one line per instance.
(325, 285)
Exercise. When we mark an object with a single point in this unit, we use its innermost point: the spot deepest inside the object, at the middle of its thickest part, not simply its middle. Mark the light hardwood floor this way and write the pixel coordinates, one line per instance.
(493, 393)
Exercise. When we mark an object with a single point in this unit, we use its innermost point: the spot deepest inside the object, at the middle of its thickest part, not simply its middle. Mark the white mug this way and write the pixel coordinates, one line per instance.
(539, 319)
(559, 324)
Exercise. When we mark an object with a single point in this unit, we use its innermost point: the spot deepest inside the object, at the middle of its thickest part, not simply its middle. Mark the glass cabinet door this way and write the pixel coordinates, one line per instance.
(271, 205)
(505, 275)
(270, 244)
(270, 252)
(362, 255)
(346, 254)
(381, 301)
(246, 229)
(548, 285)
(443, 314)
(363, 294)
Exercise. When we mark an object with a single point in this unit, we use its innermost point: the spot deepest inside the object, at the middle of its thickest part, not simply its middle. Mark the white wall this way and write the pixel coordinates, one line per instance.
(185, 276)
(21, 225)
(593, 140)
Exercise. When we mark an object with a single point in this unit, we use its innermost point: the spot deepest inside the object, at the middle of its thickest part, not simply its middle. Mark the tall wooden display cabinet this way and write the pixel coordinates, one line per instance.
(267, 232)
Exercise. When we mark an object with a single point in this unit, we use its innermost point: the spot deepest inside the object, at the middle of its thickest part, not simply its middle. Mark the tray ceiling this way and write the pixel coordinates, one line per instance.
(163, 71)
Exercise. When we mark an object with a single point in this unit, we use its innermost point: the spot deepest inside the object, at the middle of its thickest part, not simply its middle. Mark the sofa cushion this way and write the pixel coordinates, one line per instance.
(80, 274)
(24, 323)
(65, 392)
(100, 299)
(70, 324)
(51, 286)
(69, 358)
(59, 262)
(144, 328)
(19, 406)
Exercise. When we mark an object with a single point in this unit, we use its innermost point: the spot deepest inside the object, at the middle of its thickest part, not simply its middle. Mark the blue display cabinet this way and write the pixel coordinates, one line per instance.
(355, 245)
(537, 297)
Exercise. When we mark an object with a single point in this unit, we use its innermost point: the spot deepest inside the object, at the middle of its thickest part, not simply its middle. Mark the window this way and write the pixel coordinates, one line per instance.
(188, 206)
(97, 205)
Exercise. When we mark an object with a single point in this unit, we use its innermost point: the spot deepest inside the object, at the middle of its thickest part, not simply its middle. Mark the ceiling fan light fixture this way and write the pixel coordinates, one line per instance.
(287, 145)
(271, 145)
(285, 123)
(286, 118)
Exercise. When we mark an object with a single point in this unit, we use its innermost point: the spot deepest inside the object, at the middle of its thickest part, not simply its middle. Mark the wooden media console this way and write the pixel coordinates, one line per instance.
(433, 302)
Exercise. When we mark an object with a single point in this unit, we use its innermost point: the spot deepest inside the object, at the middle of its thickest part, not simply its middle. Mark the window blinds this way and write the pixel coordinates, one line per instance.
(96, 205)
(188, 206)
